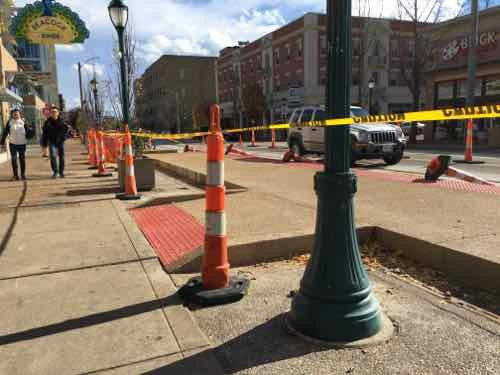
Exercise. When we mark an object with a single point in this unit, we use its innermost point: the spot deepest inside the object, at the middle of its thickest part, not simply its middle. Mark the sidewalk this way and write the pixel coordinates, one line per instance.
(81, 290)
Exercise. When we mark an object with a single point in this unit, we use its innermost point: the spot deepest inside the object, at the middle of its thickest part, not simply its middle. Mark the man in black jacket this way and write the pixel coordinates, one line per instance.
(55, 132)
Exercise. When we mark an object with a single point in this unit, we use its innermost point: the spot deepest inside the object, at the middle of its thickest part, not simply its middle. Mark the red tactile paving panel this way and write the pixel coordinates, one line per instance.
(172, 232)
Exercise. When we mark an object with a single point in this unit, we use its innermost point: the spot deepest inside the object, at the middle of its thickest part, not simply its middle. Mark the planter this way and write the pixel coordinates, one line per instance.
(144, 174)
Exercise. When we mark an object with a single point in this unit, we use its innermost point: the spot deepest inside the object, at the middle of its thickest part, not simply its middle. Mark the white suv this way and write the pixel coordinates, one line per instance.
(369, 141)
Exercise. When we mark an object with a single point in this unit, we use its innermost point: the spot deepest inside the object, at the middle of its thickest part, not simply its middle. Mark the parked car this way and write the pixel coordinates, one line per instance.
(368, 141)
(406, 127)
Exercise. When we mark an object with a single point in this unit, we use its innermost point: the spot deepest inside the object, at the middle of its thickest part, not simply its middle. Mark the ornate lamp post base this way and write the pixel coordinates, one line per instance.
(335, 301)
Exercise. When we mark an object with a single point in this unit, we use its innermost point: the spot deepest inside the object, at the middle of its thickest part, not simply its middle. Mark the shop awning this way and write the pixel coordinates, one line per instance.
(8, 96)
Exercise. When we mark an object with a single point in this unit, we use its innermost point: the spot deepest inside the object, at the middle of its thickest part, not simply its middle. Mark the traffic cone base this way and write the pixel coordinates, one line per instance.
(103, 174)
(195, 292)
(128, 197)
(463, 161)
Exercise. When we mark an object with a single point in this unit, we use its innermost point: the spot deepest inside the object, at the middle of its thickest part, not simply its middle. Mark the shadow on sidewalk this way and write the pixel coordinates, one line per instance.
(267, 343)
(96, 191)
(90, 320)
(10, 228)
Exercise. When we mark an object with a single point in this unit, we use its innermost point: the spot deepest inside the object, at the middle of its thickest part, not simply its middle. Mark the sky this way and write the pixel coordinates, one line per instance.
(194, 27)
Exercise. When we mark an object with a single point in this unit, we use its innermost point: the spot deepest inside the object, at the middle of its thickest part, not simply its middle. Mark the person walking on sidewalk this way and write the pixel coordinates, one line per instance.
(55, 132)
(18, 132)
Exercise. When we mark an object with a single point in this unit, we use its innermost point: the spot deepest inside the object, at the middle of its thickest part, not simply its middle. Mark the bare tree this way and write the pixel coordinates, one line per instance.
(364, 45)
(254, 102)
(114, 92)
(414, 48)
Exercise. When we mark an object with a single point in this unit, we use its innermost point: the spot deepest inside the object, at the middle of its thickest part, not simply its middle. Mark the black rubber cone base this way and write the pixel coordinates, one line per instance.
(128, 197)
(194, 292)
(105, 174)
(461, 161)
(92, 168)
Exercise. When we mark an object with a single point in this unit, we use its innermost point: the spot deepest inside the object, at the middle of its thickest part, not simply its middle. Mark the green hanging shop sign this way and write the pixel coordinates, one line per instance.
(48, 22)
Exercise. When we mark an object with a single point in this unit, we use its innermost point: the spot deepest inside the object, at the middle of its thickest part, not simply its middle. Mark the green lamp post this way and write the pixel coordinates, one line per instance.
(118, 13)
(335, 301)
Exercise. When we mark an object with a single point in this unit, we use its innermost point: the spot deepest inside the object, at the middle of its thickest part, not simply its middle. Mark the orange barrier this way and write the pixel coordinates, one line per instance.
(112, 147)
(101, 151)
(233, 150)
(128, 157)
(465, 176)
(290, 155)
(92, 149)
(215, 271)
(253, 144)
(437, 167)
(468, 145)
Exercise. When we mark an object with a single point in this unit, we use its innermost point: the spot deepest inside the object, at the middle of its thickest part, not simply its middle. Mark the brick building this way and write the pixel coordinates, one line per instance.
(446, 84)
(289, 65)
(175, 92)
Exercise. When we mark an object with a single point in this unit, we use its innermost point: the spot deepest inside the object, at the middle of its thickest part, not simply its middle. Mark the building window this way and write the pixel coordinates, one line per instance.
(445, 90)
(299, 48)
(493, 86)
(462, 88)
(322, 45)
(394, 48)
(411, 49)
(355, 79)
(181, 74)
(288, 52)
(277, 57)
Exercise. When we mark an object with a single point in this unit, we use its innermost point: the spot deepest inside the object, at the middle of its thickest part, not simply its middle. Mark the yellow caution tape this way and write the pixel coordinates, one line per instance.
(446, 114)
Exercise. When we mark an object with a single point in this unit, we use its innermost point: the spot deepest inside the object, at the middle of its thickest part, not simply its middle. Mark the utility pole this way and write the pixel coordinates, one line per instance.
(472, 63)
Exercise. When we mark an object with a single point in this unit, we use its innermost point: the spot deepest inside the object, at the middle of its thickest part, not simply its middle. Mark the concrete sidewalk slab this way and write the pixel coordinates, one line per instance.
(117, 312)
(84, 321)
(434, 336)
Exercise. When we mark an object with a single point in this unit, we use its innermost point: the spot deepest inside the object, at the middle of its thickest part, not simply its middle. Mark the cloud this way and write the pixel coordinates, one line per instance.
(89, 68)
(70, 48)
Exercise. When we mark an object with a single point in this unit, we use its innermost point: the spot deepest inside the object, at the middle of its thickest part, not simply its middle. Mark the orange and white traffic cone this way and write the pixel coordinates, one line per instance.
(101, 170)
(273, 138)
(92, 149)
(215, 269)
(128, 157)
(468, 145)
(437, 167)
(465, 176)
(252, 142)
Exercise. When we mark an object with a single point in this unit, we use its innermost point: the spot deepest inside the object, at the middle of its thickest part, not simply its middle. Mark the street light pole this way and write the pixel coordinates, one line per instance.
(123, 73)
(371, 86)
(93, 83)
(118, 13)
(335, 301)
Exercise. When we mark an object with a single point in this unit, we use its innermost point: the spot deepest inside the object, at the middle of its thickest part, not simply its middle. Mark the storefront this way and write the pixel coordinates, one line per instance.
(447, 75)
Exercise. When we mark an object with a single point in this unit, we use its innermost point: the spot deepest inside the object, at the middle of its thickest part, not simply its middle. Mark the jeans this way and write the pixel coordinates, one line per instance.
(14, 151)
(59, 149)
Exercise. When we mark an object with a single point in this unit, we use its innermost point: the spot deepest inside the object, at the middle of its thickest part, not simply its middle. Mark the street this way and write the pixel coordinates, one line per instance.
(414, 162)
